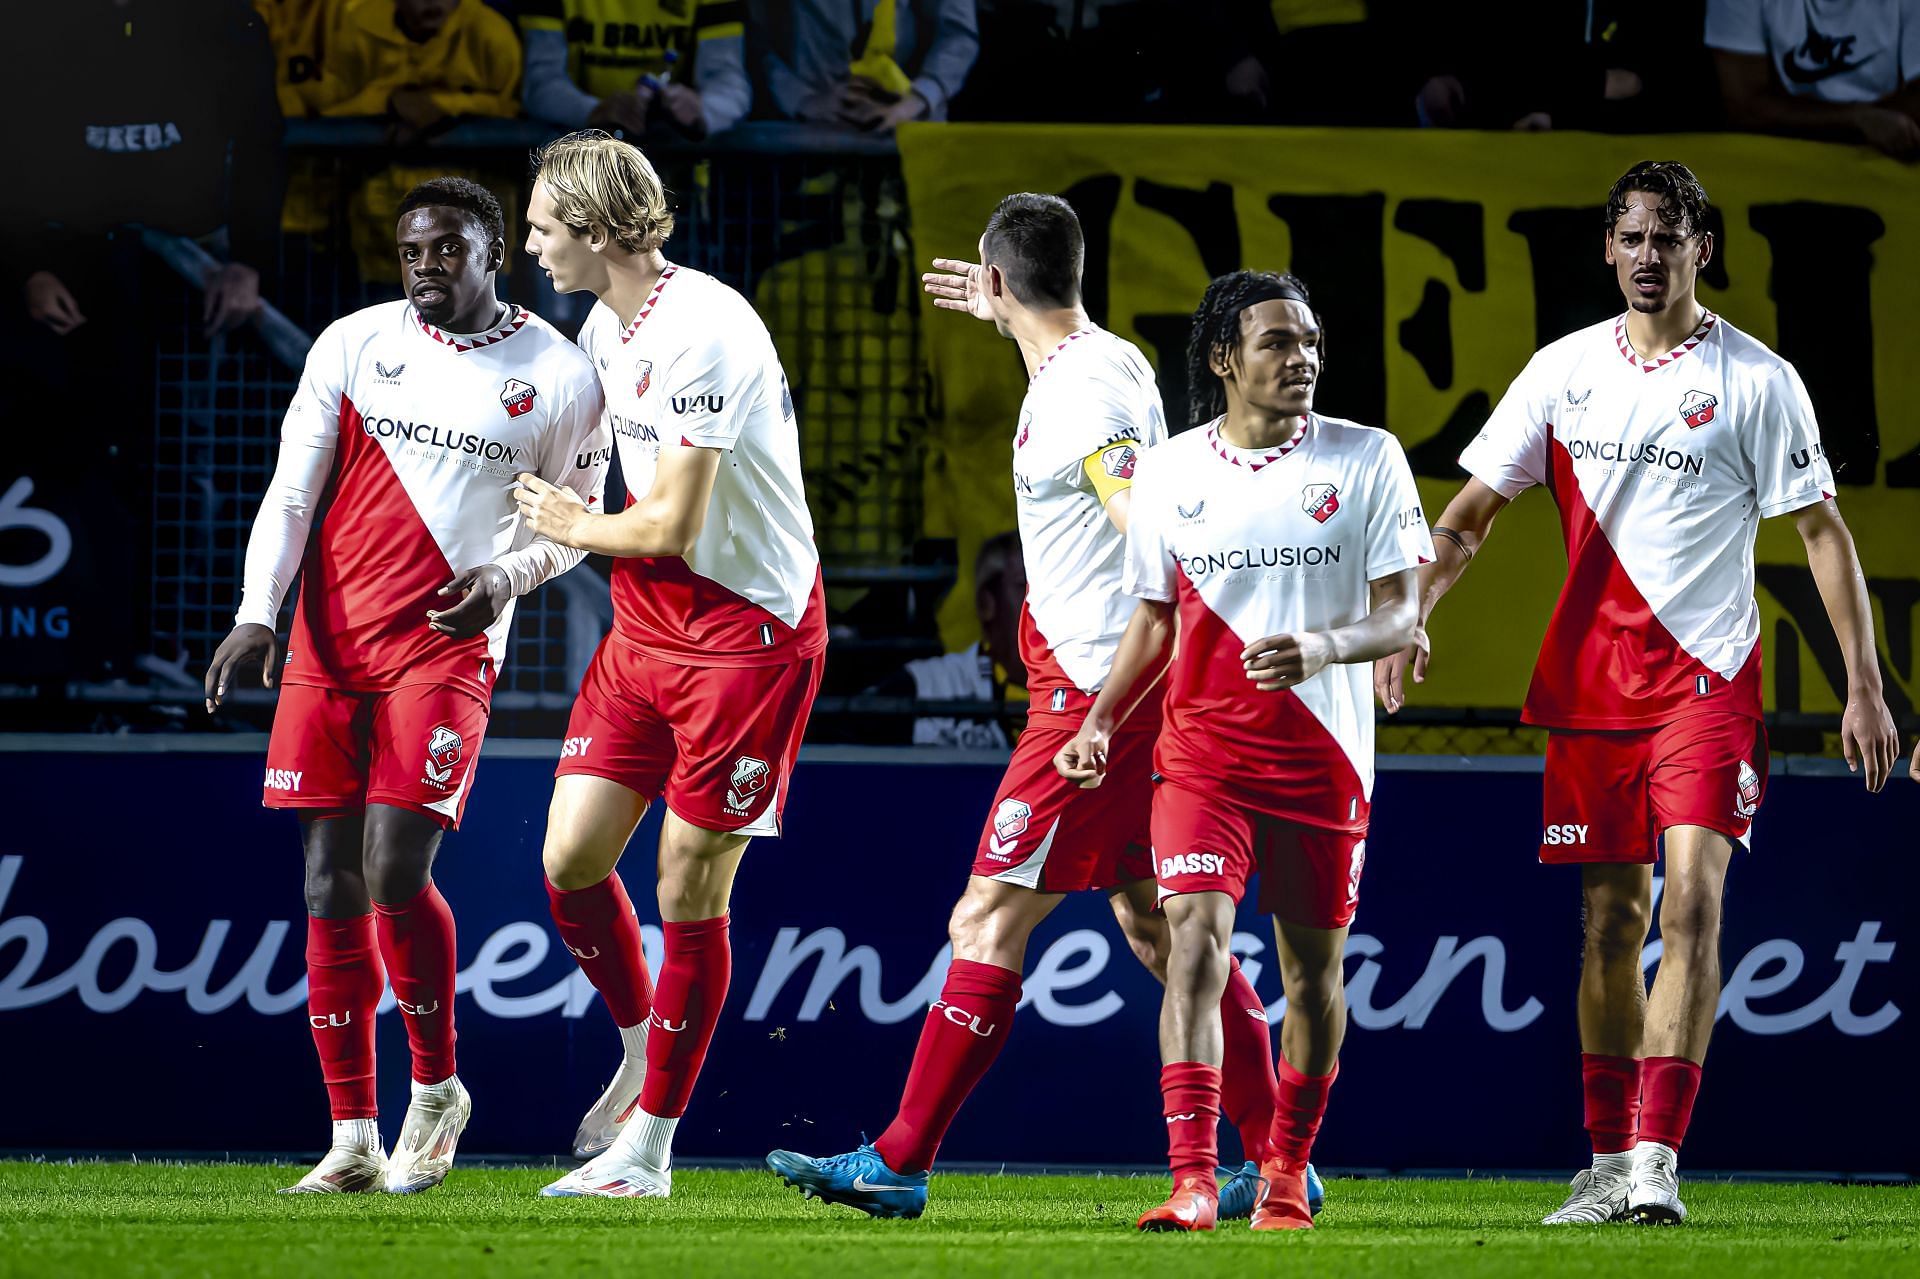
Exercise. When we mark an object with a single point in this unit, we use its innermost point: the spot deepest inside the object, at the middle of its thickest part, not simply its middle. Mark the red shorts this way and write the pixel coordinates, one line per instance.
(1610, 794)
(718, 741)
(414, 747)
(1047, 834)
(1203, 843)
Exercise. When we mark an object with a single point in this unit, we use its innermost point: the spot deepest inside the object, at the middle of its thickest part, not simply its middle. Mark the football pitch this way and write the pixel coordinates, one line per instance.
(223, 1219)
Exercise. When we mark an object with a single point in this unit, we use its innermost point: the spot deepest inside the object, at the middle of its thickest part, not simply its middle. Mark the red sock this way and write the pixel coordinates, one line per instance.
(1613, 1086)
(1246, 1069)
(962, 1035)
(1297, 1111)
(598, 925)
(416, 940)
(1668, 1086)
(686, 1008)
(1191, 1090)
(344, 981)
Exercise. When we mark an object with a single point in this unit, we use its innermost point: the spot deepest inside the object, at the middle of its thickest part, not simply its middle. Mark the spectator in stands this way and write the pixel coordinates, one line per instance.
(298, 30)
(1596, 65)
(1845, 71)
(871, 65)
(986, 671)
(421, 63)
(1310, 62)
(635, 66)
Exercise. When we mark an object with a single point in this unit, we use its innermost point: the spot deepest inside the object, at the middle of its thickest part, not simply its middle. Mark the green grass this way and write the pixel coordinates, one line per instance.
(223, 1219)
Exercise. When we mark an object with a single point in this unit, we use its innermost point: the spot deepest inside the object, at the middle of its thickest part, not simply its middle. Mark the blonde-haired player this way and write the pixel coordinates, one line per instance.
(700, 694)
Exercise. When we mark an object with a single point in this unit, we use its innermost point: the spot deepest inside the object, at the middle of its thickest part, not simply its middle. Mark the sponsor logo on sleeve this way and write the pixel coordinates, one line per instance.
(1322, 501)
(517, 397)
(443, 752)
(1803, 458)
(1696, 408)
(705, 402)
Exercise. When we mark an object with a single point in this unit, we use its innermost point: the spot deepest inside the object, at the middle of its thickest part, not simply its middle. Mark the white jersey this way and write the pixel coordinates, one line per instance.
(1250, 544)
(409, 438)
(1833, 50)
(1089, 412)
(697, 369)
(1663, 469)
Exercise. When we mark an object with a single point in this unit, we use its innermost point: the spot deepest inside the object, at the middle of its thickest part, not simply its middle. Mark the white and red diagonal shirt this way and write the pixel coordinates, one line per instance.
(1089, 412)
(403, 440)
(1663, 466)
(698, 369)
(1249, 544)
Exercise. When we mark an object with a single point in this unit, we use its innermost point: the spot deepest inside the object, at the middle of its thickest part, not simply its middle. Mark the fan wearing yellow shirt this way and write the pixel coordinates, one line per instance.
(423, 62)
(636, 65)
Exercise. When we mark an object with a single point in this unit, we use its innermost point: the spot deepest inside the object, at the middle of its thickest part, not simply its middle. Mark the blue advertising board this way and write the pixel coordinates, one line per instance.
(152, 990)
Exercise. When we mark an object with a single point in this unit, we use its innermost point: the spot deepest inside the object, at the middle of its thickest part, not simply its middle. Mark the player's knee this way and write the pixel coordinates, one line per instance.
(1317, 993)
(569, 866)
(396, 876)
(1616, 923)
(1689, 918)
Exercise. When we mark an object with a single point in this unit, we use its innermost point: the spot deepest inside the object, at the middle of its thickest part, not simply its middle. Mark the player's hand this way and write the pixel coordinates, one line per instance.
(1389, 672)
(1286, 661)
(683, 107)
(233, 297)
(1867, 737)
(1913, 769)
(1084, 759)
(550, 510)
(50, 303)
(624, 112)
(1895, 133)
(484, 593)
(955, 285)
(248, 643)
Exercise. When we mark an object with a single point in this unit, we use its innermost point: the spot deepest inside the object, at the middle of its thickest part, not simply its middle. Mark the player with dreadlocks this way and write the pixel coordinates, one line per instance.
(1280, 548)
(1665, 435)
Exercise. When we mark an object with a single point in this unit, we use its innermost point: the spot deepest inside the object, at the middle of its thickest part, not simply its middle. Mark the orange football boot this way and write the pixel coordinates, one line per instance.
(1195, 1205)
(1282, 1204)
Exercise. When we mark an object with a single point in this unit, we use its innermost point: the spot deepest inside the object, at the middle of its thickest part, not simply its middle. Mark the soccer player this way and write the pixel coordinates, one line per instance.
(1273, 553)
(701, 692)
(1091, 407)
(1665, 436)
(410, 424)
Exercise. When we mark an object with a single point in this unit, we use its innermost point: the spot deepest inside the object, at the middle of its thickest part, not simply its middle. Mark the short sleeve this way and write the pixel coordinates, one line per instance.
(1509, 455)
(1736, 26)
(711, 390)
(1112, 421)
(580, 445)
(1147, 571)
(1790, 469)
(1397, 536)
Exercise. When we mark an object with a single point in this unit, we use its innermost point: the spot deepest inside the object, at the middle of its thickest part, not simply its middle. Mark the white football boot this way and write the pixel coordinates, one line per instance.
(1599, 1193)
(1653, 1198)
(435, 1119)
(619, 1103)
(639, 1165)
(354, 1165)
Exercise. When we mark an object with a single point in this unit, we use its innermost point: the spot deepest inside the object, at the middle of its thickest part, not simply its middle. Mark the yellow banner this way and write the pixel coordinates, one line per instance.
(1440, 262)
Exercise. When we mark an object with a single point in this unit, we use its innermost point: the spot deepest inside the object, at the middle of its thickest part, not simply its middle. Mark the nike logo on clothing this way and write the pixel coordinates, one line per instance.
(1821, 58)
(860, 1182)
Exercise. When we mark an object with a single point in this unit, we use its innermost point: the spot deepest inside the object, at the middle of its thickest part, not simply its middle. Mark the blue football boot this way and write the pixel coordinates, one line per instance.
(860, 1179)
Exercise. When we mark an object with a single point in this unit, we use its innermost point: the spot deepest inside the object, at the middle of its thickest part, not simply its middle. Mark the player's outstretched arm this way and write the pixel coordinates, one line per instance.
(1288, 661)
(955, 285)
(1141, 660)
(667, 521)
(1867, 735)
(1457, 537)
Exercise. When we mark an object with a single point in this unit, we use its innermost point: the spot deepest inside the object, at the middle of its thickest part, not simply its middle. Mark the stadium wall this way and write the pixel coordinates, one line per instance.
(152, 990)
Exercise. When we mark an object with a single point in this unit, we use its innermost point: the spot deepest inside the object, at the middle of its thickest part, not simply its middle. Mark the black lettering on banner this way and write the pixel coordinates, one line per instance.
(1207, 216)
(1457, 229)
(1094, 201)
(1793, 588)
(1337, 250)
(1825, 321)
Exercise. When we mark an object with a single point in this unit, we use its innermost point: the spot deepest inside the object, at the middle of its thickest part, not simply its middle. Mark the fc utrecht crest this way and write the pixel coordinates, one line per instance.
(1696, 409)
(517, 397)
(1120, 461)
(748, 779)
(646, 379)
(1747, 798)
(443, 752)
(1320, 501)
